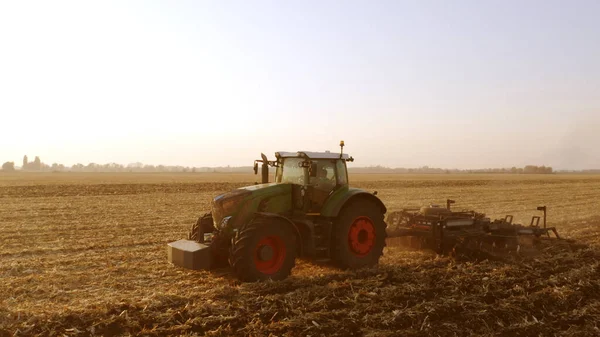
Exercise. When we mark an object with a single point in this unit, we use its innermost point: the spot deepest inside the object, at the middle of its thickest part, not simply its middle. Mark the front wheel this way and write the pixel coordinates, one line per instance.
(263, 250)
(359, 235)
(202, 226)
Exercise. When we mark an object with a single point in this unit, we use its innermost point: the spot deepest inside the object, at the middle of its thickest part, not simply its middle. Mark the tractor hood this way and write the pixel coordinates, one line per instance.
(268, 188)
(241, 204)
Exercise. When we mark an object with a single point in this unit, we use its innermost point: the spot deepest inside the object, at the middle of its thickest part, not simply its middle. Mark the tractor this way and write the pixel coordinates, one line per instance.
(309, 211)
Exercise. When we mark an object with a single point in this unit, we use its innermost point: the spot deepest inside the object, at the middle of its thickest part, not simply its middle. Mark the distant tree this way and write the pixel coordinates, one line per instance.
(135, 166)
(537, 169)
(113, 167)
(25, 163)
(8, 166)
(92, 167)
(37, 164)
(77, 167)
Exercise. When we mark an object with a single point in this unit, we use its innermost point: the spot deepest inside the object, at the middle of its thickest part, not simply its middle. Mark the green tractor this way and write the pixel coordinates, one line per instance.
(308, 211)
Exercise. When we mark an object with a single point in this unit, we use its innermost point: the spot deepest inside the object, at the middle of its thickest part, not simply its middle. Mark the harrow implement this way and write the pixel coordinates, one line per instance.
(446, 231)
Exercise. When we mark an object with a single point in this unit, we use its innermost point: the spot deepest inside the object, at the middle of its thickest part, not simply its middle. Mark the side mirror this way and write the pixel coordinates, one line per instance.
(312, 170)
(255, 168)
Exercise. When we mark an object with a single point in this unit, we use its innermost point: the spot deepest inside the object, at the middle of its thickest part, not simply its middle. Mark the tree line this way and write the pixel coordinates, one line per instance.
(529, 169)
(39, 166)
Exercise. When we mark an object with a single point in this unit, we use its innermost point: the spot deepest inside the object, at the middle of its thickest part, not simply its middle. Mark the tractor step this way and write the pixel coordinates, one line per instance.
(322, 235)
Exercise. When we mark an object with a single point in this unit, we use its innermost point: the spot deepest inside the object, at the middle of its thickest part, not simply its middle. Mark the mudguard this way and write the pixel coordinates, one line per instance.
(290, 222)
(343, 196)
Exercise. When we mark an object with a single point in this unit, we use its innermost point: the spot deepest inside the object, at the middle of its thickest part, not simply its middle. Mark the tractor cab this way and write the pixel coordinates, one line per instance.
(323, 170)
(314, 176)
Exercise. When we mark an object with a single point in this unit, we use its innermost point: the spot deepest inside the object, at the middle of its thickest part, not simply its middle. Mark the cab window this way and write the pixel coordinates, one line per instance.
(291, 171)
(325, 175)
(342, 174)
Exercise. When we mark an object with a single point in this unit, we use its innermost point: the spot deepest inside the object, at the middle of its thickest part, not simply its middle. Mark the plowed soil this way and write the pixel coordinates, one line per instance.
(85, 254)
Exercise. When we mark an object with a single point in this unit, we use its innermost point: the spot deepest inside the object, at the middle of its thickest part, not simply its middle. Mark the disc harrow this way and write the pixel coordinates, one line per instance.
(449, 232)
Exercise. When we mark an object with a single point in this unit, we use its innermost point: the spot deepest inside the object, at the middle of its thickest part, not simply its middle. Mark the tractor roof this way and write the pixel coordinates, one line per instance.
(311, 155)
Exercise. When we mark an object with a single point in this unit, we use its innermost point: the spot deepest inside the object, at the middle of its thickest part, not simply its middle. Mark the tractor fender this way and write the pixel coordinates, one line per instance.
(337, 202)
(268, 215)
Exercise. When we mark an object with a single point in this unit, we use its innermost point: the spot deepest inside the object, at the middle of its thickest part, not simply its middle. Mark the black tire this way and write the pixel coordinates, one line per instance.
(220, 245)
(365, 250)
(257, 239)
(203, 225)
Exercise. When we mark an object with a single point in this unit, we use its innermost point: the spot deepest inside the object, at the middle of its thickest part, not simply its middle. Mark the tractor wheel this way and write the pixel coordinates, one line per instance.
(263, 250)
(359, 236)
(219, 246)
(203, 225)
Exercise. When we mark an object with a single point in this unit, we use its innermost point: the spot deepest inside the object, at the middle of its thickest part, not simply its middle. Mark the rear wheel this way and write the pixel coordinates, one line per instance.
(263, 250)
(359, 235)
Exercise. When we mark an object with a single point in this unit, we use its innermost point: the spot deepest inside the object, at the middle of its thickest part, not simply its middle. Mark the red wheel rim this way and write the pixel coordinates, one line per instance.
(361, 237)
(269, 254)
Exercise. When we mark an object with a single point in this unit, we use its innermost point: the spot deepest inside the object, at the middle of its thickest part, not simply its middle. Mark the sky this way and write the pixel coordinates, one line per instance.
(453, 84)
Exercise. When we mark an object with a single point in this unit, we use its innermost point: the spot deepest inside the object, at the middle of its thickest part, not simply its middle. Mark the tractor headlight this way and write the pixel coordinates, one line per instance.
(224, 222)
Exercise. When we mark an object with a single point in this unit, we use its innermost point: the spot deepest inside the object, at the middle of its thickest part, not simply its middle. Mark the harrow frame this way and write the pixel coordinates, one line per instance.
(442, 229)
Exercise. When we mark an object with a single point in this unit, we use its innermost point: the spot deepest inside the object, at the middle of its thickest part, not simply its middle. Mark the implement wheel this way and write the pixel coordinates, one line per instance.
(263, 250)
(359, 235)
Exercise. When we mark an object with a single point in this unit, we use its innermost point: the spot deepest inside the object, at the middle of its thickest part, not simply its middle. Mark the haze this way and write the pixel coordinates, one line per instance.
(461, 84)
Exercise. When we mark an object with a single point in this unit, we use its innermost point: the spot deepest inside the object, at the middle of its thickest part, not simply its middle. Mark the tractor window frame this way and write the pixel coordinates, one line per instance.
(280, 171)
(341, 172)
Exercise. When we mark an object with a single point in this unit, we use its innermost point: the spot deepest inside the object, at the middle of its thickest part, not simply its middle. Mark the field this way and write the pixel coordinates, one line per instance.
(85, 254)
